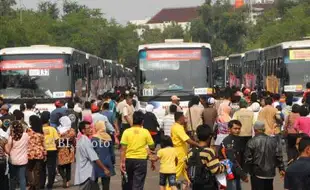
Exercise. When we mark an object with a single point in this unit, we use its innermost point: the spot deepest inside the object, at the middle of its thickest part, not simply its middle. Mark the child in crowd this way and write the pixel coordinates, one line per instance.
(233, 149)
(168, 161)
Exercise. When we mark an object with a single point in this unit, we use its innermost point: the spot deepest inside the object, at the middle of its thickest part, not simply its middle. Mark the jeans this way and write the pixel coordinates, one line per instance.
(233, 184)
(65, 172)
(4, 179)
(50, 164)
(33, 174)
(171, 178)
(261, 184)
(17, 172)
(136, 171)
(105, 182)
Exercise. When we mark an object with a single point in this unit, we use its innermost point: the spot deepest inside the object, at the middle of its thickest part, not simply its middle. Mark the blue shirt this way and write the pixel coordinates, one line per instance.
(56, 114)
(109, 115)
(85, 156)
(99, 117)
(106, 155)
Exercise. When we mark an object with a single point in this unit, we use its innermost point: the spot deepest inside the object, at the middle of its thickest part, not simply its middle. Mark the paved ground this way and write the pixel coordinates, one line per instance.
(152, 181)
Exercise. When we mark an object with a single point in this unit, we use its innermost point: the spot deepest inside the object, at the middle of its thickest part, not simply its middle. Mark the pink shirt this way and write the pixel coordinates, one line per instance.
(19, 150)
(302, 124)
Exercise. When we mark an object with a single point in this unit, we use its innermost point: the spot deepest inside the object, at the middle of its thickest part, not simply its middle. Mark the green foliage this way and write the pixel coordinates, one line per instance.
(276, 26)
(6, 6)
(221, 26)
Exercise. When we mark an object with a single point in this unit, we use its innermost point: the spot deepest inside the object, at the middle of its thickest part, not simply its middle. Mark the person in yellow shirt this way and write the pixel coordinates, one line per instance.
(51, 138)
(168, 161)
(134, 153)
(180, 140)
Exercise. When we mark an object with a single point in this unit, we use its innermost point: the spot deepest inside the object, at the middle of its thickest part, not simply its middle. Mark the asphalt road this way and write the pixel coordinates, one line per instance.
(152, 181)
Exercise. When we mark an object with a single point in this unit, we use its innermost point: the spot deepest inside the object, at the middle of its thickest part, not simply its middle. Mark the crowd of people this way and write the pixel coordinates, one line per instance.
(218, 143)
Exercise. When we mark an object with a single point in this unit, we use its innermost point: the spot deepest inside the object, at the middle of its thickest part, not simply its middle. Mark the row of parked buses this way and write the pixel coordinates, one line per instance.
(281, 68)
(45, 73)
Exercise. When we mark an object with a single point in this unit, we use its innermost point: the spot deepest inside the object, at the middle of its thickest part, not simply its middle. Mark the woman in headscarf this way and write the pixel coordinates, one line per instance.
(102, 143)
(222, 124)
(151, 124)
(66, 149)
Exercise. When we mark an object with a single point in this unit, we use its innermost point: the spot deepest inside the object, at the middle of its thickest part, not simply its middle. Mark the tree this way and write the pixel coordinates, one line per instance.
(173, 31)
(151, 35)
(72, 6)
(219, 25)
(49, 8)
(6, 6)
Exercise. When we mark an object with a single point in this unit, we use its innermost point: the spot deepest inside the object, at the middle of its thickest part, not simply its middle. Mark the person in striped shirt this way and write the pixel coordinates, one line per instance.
(207, 155)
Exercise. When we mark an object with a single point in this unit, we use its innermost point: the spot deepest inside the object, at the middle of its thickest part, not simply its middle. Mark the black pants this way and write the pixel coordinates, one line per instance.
(261, 184)
(50, 164)
(65, 172)
(136, 170)
(4, 180)
(243, 142)
(105, 182)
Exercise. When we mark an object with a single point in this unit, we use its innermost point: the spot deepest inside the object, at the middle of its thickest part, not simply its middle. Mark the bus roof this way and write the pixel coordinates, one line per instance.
(253, 51)
(236, 55)
(221, 58)
(252, 55)
(174, 45)
(38, 49)
(292, 44)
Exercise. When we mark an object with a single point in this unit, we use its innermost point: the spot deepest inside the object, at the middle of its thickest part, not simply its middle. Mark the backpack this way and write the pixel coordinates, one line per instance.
(198, 172)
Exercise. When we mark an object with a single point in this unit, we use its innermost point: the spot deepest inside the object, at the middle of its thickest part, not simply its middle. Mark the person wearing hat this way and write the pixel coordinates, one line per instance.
(209, 113)
(6, 118)
(97, 116)
(262, 156)
(175, 100)
(57, 113)
(246, 117)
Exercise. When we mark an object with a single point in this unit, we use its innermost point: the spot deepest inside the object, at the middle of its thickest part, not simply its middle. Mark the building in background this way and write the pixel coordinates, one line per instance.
(181, 16)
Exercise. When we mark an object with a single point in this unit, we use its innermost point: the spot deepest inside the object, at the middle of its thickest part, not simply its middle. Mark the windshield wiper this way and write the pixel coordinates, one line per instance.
(189, 92)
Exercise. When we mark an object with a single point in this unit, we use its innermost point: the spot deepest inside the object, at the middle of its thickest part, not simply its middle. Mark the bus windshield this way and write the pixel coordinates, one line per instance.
(35, 76)
(173, 69)
(297, 63)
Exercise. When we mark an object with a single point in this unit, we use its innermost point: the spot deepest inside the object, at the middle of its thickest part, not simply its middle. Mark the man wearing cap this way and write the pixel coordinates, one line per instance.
(209, 113)
(6, 118)
(57, 113)
(97, 116)
(175, 100)
(262, 156)
(246, 117)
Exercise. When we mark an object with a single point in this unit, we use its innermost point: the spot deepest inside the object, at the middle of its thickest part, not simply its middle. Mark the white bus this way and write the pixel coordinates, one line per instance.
(173, 68)
(286, 67)
(252, 69)
(234, 69)
(42, 73)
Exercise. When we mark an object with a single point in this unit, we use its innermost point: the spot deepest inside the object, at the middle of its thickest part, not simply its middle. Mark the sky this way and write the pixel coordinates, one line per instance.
(125, 10)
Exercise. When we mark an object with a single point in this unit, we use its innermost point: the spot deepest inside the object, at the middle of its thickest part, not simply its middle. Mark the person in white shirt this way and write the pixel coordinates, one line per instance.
(175, 100)
(30, 105)
(168, 120)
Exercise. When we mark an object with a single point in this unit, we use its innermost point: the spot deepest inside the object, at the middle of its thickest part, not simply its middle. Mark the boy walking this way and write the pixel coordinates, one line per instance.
(232, 149)
(202, 163)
